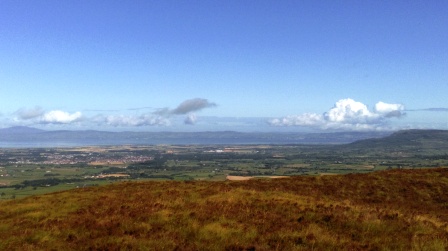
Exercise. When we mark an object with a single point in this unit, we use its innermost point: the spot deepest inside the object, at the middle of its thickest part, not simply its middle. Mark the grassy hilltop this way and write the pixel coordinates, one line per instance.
(385, 210)
(426, 142)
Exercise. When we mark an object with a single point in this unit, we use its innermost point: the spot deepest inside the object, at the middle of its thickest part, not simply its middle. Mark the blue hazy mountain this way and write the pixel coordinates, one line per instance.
(15, 130)
(37, 137)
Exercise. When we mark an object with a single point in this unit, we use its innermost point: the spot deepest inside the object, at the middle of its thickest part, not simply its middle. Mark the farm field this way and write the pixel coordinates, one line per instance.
(30, 171)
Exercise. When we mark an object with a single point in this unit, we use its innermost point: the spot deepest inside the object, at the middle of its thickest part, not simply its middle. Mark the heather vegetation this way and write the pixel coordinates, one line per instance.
(384, 210)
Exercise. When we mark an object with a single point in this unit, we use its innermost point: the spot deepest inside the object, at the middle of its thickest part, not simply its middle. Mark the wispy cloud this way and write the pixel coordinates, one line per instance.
(29, 113)
(131, 121)
(187, 106)
(347, 114)
(139, 108)
(101, 110)
(192, 105)
(436, 109)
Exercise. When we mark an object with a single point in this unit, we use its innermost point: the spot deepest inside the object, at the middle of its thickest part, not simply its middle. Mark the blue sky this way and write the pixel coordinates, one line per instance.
(224, 65)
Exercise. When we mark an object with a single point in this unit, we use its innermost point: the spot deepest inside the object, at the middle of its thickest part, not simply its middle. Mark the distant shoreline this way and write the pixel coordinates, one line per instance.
(25, 137)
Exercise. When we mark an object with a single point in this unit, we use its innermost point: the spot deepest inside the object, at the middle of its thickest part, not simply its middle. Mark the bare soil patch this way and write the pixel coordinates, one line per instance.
(231, 177)
(114, 175)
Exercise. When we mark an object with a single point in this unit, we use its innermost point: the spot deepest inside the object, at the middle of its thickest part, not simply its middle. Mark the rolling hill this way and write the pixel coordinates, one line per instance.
(19, 130)
(385, 210)
(424, 141)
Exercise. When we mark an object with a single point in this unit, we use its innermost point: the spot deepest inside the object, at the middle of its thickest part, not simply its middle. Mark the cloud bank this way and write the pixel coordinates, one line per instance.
(161, 117)
(131, 121)
(39, 116)
(347, 114)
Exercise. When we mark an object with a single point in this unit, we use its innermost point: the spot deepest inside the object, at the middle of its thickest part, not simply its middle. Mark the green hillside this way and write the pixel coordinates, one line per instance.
(386, 210)
(424, 141)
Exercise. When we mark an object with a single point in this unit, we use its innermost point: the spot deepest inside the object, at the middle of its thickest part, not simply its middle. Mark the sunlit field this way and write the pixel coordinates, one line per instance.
(384, 210)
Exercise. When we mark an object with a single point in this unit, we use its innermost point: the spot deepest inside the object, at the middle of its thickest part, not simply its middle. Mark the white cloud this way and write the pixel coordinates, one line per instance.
(190, 119)
(60, 117)
(349, 111)
(39, 116)
(389, 110)
(129, 120)
(347, 114)
(306, 119)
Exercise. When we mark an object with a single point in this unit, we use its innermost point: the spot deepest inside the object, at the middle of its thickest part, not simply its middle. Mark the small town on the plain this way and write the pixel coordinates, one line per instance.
(29, 171)
(230, 196)
(223, 125)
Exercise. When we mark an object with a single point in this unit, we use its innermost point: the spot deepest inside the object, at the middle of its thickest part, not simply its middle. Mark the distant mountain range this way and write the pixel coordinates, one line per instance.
(33, 136)
(19, 130)
(424, 141)
(407, 139)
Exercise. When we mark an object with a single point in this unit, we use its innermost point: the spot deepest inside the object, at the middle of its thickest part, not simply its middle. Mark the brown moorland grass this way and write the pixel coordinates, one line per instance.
(385, 210)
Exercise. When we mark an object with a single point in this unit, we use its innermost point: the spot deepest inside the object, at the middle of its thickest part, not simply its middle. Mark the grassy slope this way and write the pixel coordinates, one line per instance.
(387, 210)
(425, 141)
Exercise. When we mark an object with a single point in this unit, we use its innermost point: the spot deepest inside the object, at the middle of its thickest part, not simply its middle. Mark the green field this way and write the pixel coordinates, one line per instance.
(25, 172)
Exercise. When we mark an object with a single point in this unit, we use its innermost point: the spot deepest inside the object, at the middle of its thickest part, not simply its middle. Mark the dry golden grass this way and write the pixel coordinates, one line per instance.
(389, 210)
(117, 175)
(243, 178)
(238, 178)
